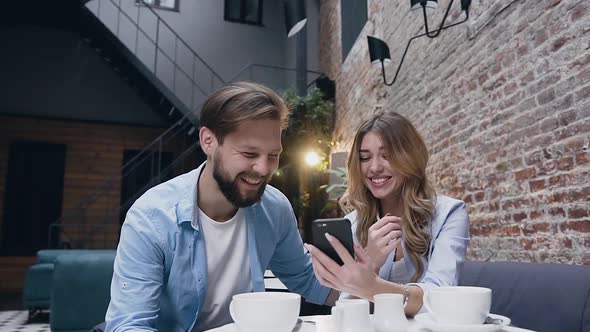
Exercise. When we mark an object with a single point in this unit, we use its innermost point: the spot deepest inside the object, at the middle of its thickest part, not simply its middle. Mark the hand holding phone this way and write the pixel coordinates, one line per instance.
(338, 228)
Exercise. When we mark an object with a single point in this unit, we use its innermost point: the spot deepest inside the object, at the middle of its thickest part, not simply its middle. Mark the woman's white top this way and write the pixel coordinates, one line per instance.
(399, 273)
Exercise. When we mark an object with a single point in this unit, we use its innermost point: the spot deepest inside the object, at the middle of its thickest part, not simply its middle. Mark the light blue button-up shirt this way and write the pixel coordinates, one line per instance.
(160, 273)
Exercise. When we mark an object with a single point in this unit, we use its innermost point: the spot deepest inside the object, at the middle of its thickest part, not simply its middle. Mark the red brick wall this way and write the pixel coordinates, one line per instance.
(94, 153)
(330, 37)
(504, 105)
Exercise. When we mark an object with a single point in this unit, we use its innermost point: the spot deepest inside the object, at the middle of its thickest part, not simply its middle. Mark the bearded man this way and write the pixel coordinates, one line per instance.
(189, 244)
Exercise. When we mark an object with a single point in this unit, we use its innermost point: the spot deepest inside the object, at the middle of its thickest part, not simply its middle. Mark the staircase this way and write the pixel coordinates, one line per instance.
(145, 41)
(169, 75)
(126, 36)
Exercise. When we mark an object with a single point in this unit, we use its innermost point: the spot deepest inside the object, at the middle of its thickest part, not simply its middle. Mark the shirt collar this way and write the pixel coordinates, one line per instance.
(185, 210)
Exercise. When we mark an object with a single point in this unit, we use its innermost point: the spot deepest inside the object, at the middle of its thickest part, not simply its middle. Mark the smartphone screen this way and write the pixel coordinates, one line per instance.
(338, 228)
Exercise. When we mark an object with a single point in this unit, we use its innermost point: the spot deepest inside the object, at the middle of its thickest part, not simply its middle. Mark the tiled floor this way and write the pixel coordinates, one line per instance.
(16, 321)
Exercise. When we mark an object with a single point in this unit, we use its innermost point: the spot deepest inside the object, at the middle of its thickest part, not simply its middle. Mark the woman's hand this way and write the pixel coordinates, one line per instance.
(354, 277)
(384, 236)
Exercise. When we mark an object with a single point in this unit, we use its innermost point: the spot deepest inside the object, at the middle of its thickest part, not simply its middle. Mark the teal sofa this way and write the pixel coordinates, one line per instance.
(81, 290)
(39, 279)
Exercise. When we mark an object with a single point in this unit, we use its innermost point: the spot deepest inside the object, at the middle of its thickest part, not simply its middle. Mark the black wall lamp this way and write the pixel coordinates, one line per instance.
(379, 51)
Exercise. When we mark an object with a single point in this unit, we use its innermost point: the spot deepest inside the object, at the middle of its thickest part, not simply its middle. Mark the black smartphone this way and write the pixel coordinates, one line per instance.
(338, 228)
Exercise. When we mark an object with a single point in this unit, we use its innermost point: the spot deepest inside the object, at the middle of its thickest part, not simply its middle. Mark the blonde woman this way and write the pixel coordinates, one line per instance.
(407, 239)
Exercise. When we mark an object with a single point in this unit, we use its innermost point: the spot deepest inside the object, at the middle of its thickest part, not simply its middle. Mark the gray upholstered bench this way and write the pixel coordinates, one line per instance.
(536, 296)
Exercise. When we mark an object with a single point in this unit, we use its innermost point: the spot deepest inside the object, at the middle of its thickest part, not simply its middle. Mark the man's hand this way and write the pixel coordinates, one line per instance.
(384, 236)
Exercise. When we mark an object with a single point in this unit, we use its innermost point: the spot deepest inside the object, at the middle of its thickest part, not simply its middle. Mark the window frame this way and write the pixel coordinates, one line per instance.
(157, 5)
(242, 18)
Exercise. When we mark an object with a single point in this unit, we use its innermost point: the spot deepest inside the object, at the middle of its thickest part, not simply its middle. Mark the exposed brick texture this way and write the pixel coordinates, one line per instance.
(94, 154)
(330, 37)
(503, 103)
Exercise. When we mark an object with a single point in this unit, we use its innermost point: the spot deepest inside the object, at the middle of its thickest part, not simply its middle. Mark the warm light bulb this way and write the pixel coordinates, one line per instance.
(312, 158)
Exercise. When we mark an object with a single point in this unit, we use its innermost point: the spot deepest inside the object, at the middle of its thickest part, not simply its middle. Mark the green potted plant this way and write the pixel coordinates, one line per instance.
(310, 128)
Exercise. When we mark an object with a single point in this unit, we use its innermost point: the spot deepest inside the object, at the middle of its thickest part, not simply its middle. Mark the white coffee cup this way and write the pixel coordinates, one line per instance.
(265, 311)
(351, 315)
(458, 304)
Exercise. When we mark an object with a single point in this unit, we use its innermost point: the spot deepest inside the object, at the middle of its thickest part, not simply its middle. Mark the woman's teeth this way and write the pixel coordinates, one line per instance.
(379, 180)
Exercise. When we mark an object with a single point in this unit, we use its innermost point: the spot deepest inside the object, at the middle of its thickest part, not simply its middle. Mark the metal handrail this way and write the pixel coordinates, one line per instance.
(155, 147)
(182, 40)
(186, 153)
(253, 65)
(157, 140)
(114, 212)
(108, 184)
(162, 51)
(175, 128)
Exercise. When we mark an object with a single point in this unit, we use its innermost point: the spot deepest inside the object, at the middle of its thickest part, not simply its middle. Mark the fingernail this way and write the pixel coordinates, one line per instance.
(308, 247)
(329, 237)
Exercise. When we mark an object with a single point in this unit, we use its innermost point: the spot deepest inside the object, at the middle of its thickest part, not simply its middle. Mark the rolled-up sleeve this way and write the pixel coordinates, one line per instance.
(292, 264)
(448, 252)
(138, 275)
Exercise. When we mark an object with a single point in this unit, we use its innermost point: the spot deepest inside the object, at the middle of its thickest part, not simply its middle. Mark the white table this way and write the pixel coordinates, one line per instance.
(324, 324)
(272, 283)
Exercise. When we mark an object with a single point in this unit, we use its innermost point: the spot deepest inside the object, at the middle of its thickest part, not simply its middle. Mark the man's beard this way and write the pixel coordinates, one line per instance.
(231, 190)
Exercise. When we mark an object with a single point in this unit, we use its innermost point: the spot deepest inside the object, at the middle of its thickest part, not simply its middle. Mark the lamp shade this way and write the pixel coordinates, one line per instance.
(465, 4)
(429, 4)
(295, 17)
(378, 50)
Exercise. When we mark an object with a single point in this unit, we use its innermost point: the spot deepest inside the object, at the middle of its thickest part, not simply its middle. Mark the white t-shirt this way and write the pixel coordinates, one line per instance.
(228, 267)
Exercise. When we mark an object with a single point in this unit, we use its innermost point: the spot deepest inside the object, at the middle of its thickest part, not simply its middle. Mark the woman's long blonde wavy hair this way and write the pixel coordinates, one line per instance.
(408, 155)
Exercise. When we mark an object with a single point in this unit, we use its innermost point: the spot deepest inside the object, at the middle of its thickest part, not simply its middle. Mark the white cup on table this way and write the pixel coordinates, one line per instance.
(458, 304)
(265, 311)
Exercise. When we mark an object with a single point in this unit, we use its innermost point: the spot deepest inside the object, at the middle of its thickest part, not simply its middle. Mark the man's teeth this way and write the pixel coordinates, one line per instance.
(379, 180)
(251, 180)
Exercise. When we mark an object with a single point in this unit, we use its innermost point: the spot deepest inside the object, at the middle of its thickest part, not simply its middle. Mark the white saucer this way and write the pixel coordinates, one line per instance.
(305, 327)
(426, 320)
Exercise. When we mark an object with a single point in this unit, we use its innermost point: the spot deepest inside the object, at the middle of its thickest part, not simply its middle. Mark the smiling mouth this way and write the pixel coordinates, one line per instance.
(250, 180)
(380, 180)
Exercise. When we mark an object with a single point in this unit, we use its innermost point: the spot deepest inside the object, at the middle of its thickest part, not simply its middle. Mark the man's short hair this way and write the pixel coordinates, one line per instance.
(236, 102)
